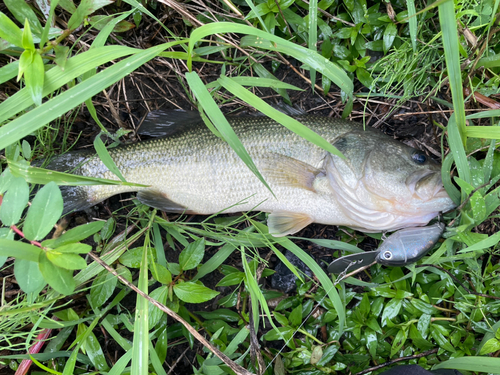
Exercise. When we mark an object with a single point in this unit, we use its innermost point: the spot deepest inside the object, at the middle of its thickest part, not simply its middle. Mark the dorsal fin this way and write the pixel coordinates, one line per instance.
(163, 123)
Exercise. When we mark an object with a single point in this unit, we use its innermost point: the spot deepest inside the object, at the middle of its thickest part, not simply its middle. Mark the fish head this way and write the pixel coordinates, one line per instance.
(383, 184)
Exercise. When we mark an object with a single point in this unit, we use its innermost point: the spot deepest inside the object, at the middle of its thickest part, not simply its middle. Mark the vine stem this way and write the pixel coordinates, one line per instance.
(19, 232)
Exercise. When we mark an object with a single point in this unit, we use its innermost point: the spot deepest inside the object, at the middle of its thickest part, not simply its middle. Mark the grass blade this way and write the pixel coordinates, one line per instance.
(106, 158)
(56, 78)
(412, 19)
(313, 35)
(485, 114)
(476, 364)
(140, 346)
(220, 122)
(450, 44)
(290, 123)
(313, 59)
(322, 277)
(42, 176)
(42, 115)
(457, 150)
(488, 132)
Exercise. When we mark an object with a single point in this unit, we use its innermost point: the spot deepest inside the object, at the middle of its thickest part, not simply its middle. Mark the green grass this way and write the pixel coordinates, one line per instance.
(326, 325)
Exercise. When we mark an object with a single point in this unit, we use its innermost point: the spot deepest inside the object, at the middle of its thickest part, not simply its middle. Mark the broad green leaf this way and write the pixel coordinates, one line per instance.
(26, 148)
(160, 294)
(398, 341)
(161, 274)
(215, 261)
(232, 279)
(19, 250)
(364, 77)
(74, 235)
(224, 314)
(391, 310)
(490, 346)
(28, 37)
(28, 275)
(10, 32)
(58, 278)
(194, 293)
(132, 257)
(440, 339)
(94, 351)
(192, 255)
(67, 261)
(102, 288)
(14, 201)
(23, 13)
(390, 33)
(34, 77)
(489, 62)
(46, 209)
(295, 316)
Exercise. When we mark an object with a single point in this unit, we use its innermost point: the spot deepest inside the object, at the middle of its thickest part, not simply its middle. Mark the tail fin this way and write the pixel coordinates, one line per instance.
(75, 198)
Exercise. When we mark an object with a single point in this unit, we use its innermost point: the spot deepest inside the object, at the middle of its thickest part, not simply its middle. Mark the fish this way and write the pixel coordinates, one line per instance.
(380, 185)
(400, 249)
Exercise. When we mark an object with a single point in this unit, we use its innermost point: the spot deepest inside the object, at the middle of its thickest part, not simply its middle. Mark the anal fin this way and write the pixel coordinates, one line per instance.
(282, 223)
(159, 200)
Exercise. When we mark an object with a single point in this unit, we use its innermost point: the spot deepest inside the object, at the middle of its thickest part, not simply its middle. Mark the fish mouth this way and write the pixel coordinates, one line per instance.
(426, 185)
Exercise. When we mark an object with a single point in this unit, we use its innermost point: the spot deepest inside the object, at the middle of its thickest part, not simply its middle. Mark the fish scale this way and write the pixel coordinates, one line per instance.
(193, 170)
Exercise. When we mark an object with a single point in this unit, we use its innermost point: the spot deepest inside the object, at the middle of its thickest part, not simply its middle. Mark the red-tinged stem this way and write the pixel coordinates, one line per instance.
(1, 199)
(34, 349)
(17, 231)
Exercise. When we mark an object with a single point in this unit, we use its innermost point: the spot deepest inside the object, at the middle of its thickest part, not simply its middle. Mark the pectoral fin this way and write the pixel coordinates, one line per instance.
(287, 171)
(159, 200)
(282, 223)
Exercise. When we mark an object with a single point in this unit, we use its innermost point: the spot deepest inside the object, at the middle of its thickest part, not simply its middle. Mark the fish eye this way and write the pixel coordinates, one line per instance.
(418, 157)
(387, 255)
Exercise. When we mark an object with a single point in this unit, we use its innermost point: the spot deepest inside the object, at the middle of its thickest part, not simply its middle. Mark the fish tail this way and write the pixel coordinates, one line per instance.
(75, 198)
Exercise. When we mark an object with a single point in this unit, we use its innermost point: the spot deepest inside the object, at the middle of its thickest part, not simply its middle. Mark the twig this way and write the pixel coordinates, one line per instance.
(224, 358)
(424, 354)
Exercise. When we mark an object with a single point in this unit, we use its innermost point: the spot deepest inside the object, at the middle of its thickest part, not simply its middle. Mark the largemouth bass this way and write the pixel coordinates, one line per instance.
(381, 184)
